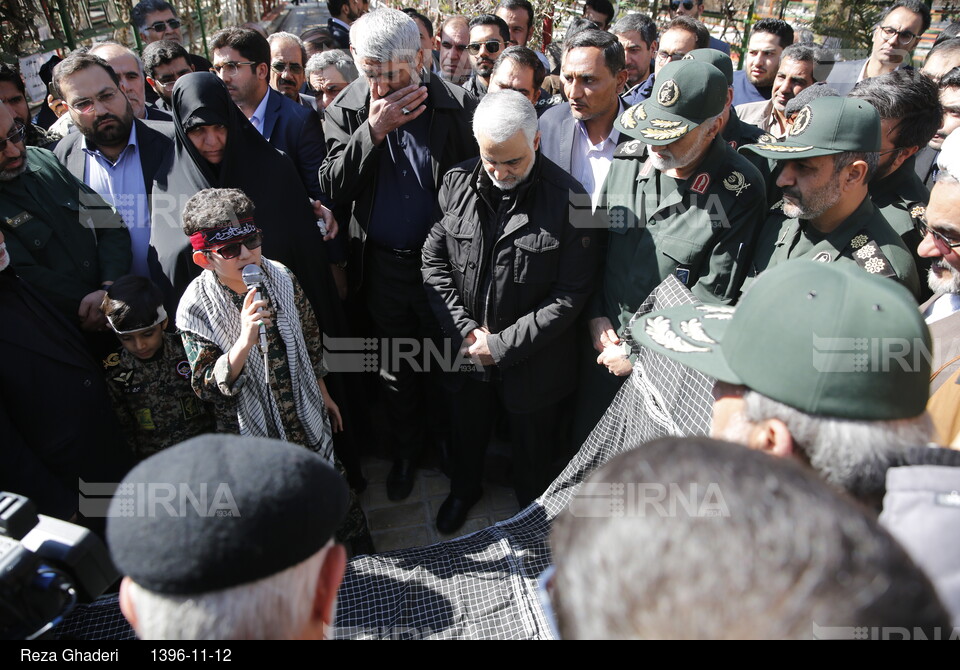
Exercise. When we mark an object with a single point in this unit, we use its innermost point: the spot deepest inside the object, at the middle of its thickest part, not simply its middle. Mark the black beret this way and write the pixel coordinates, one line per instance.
(222, 510)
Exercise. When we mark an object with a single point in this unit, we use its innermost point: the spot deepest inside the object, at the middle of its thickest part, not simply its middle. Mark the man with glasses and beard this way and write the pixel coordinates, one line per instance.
(489, 35)
(115, 154)
(940, 245)
(509, 209)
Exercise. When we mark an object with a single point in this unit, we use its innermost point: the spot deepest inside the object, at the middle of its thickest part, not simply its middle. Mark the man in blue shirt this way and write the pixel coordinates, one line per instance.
(114, 155)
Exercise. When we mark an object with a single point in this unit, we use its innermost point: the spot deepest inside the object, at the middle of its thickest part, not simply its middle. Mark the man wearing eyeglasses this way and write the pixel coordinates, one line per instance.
(115, 154)
(61, 236)
(693, 9)
(489, 35)
(452, 40)
(241, 58)
(163, 63)
(156, 20)
(288, 56)
(894, 39)
(940, 245)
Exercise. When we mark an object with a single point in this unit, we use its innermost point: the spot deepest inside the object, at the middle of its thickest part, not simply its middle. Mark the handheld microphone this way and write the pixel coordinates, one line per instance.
(253, 278)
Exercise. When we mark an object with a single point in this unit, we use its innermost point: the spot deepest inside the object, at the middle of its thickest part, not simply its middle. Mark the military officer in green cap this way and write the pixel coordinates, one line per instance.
(826, 214)
(681, 202)
(822, 363)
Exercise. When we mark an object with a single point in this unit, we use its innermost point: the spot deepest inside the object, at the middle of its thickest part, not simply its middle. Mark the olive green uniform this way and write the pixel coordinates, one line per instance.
(864, 238)
(154, 399)
(699, 229)
(61, 235)
(902, 198)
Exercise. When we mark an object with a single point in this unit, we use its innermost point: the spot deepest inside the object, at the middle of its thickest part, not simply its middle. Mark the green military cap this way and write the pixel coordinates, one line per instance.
(686, 94)
(716, 58)
(826, 339)
(826, 126)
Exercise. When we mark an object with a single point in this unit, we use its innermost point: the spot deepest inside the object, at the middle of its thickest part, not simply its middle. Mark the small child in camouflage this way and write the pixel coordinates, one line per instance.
(149, 377)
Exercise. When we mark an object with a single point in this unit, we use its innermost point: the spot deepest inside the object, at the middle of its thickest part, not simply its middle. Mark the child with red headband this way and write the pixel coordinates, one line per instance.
(281, 393)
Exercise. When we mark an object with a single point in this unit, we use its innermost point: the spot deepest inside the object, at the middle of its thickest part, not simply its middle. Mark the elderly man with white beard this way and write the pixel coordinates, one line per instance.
(941, 244)
(507, 273)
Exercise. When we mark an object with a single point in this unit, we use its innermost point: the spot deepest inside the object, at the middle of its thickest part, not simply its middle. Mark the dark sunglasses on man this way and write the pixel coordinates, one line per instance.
(492, 47)
(232, 250)
(16, 137)
(294, 68)
(687, 4)
(161, 26)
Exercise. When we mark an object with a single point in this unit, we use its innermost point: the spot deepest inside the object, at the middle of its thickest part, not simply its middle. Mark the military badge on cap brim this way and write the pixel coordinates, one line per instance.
(802, 121)
(664, 131)
(669, 93)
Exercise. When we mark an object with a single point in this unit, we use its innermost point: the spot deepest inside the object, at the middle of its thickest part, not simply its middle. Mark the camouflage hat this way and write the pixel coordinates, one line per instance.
(686, 93)
(716, 58)
(826, 339)
(825, 127)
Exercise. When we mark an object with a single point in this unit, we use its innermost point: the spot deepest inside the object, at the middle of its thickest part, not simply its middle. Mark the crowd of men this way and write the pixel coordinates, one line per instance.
(465, 206)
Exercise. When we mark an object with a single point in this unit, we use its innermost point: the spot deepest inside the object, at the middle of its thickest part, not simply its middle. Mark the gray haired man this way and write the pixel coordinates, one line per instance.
(391, 136)
(507, 273)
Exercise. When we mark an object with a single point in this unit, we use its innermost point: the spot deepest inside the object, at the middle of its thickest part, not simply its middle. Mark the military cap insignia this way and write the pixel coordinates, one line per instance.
(804, 116)
(111, 361)
(658, 330)
(766, 138)
(823, 257)
(858, 241)
(662, 123)
(627, 119)
(640, 112)
(783, 149)
(693, 328)
(688, 57)
(664, 133)
(669, 93)
(736, 183)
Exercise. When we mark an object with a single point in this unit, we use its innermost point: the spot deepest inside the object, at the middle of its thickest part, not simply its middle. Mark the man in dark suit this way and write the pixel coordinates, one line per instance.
(288, 60)
(577, 133)
(392, 135)
(114, 153)
(895, 37)
(926, 165)
(342, 15)
(56, 423)
(241, 58)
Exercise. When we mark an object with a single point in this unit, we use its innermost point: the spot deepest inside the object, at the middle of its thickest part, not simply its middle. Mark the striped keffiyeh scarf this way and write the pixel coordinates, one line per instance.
(208, 311)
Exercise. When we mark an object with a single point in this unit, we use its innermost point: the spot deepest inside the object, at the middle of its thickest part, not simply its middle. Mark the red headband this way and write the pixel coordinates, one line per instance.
(209, 238)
